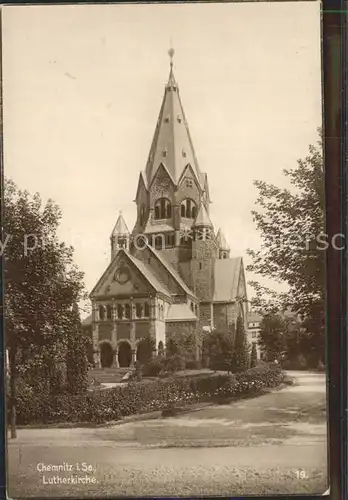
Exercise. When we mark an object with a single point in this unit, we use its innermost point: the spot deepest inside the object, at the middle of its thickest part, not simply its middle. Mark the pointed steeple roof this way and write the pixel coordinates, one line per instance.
(202, 219)
(221, 241)
(120, 228)
(172, 144)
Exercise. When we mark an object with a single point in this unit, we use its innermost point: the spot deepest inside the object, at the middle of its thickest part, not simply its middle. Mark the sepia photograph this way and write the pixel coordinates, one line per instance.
(164, 250)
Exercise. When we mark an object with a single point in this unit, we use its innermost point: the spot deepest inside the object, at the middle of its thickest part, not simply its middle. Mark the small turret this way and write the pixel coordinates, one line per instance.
(203, 220)
(119, 236)
(224, 249)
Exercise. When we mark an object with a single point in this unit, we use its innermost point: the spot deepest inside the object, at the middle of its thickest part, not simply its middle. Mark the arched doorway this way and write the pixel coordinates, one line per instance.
(144, 350)
(124, 354)
(106, 355)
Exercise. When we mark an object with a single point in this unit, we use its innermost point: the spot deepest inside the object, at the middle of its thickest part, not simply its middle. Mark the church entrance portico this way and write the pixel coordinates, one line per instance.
(124, 354)
(106, 355)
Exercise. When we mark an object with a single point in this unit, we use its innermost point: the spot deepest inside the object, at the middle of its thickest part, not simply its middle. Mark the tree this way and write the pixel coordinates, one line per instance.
(240, 357)
(76, 360)
(41, 284)
(218, 347)
(271, 337)
(253, 356)
(291, 224)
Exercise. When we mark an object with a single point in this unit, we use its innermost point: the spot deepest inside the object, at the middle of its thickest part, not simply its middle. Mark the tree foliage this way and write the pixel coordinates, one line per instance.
(76, 358)
(218, 348)
(253, 356)
(272, 336)
(240, 357)
(291, 224)
(41, 283)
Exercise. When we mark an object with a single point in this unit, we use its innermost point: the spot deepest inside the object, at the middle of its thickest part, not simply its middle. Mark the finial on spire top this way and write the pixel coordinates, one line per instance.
(171, 53)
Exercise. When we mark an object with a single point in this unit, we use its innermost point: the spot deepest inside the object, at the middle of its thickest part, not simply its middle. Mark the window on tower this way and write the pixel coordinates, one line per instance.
(188, 209)
(163, 209)
(142, 215)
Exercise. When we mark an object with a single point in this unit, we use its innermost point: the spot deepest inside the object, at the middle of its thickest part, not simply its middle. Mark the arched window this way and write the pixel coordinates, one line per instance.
(138, 310)
(192, 306)
(158, 241)
(108, 312)
(169, 240)
(163, 209)
(188, 209)
(101, 312)
(120, 311)
(146, 310)
(127, 311)
(142, 215)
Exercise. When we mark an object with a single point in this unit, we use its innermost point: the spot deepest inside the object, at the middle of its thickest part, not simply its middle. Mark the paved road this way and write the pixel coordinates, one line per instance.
(271, 444)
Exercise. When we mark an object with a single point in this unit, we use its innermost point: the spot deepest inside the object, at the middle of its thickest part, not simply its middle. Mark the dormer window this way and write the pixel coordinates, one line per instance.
(179, 118)
(166, 119)
(184, 153)
(164, 153)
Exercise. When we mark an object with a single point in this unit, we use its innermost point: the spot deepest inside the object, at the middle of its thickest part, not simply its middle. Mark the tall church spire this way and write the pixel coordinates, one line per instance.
(172, 144)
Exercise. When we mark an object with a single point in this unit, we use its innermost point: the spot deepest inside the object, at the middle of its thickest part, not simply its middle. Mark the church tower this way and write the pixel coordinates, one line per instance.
(171, 187)
(120, 236)
(204, 253)
(181, 283)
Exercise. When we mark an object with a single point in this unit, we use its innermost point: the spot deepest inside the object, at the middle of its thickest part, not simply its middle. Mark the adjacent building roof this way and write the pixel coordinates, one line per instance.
(180, 312)
(226, 279)
(254, 317)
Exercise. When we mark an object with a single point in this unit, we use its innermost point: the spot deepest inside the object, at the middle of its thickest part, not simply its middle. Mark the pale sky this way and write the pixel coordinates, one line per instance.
(83, 87)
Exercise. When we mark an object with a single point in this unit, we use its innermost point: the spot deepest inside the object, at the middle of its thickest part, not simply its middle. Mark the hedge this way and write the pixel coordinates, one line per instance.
(140, 397)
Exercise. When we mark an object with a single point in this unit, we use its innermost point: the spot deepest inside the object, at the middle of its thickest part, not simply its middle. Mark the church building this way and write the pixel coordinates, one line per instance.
(171, 276)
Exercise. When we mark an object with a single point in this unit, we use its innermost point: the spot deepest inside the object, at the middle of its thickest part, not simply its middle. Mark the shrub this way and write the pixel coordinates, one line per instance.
(153, 367)
(193, 365)
(300, 363)
(175, 363)
(240, 356)
(142, 397)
